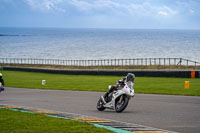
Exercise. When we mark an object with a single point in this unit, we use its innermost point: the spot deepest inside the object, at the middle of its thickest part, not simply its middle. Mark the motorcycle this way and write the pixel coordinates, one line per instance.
(1, 87)
(118, 99)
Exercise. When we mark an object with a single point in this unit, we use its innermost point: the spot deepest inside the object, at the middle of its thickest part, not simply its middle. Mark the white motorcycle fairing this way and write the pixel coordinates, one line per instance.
(124, 91)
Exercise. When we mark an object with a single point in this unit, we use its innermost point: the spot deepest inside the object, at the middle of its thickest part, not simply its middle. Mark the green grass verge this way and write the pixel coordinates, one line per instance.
(153, 85)
(18, 122)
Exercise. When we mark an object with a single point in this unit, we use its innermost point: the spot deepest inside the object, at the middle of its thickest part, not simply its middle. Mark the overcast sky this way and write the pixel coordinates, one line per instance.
(153, 14)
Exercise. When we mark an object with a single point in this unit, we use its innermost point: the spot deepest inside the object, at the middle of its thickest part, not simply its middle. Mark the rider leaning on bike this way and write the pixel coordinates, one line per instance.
(1, 82)
(129, 80)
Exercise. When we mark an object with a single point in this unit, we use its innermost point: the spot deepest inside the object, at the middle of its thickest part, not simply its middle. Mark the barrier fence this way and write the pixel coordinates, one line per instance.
(104, 62)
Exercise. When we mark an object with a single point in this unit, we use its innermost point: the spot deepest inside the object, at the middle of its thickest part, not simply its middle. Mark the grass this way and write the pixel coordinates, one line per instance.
(152, 85)
(18, 122)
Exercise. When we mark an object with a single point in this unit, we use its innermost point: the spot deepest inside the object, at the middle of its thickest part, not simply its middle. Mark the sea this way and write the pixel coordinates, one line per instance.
(87, 44)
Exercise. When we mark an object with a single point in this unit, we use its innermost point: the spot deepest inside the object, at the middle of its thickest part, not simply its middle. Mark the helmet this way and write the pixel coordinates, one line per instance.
(130, 77)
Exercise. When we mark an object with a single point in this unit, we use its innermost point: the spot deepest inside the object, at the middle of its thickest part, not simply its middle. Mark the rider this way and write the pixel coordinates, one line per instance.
(129, 80)
(1, 81)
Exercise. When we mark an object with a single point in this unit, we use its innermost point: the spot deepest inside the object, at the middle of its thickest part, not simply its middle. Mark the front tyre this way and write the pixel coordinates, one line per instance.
(100, 106)
(121, 103)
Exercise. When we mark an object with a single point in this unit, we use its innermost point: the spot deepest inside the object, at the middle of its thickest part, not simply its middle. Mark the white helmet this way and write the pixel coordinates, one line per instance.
(130, 77)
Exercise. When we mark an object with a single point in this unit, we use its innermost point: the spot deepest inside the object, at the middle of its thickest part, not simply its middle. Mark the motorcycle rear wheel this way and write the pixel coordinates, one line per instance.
(100, 106)
(121, 105)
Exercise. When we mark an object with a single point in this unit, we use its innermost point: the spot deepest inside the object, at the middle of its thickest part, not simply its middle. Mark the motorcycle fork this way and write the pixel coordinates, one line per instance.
(121, 97)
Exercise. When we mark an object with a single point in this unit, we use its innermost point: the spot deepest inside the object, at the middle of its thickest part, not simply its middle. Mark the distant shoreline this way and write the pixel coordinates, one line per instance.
(98, 28)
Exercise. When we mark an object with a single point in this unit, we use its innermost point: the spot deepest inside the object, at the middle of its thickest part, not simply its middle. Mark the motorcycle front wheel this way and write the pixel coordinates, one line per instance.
(100, 106)
(121, 103)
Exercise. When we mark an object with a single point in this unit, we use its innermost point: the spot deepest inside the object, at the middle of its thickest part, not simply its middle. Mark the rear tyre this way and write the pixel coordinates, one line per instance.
(120, 105)
(100, 106)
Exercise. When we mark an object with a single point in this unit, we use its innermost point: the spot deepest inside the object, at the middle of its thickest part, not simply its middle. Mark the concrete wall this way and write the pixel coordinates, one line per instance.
(139, 73)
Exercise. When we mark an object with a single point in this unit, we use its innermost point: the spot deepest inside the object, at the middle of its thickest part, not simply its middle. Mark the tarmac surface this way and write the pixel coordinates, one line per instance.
(168, 112)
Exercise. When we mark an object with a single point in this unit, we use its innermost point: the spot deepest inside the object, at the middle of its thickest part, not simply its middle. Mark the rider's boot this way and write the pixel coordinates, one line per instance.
(105, 97)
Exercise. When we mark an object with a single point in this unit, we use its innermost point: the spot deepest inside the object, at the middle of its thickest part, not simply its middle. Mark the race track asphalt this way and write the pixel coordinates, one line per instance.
(168, 112)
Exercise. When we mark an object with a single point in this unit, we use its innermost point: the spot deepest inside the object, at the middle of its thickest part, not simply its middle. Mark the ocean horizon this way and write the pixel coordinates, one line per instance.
(95, 43)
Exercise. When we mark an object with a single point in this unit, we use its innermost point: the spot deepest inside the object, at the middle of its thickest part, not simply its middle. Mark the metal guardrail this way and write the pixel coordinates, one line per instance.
(104, 62)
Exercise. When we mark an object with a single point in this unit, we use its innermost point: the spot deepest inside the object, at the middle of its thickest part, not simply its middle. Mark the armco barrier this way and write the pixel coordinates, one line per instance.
(139, 73)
